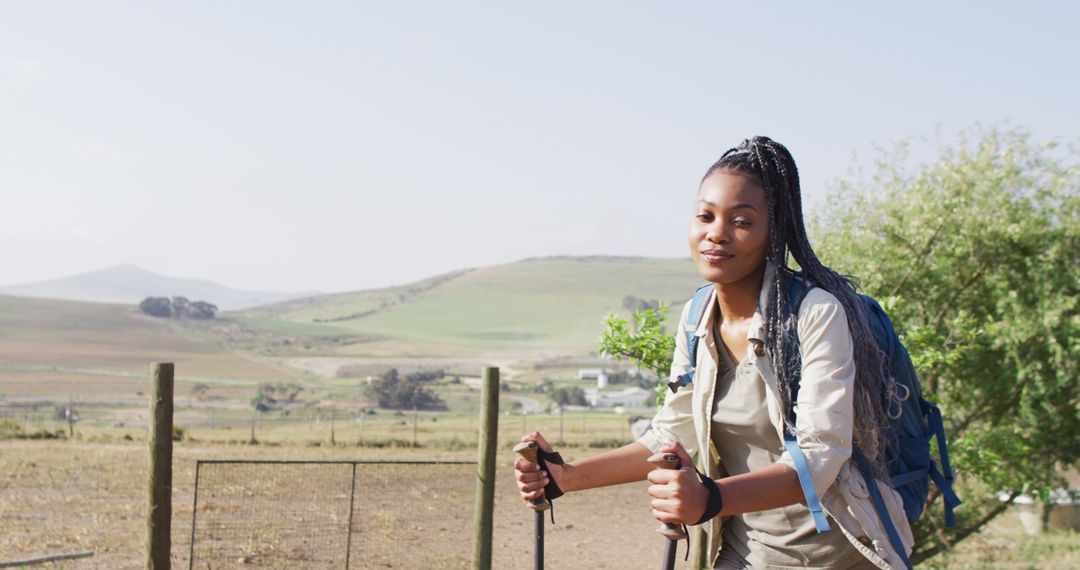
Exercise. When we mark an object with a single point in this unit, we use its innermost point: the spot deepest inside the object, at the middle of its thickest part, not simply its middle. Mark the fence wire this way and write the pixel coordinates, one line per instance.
(332, 514)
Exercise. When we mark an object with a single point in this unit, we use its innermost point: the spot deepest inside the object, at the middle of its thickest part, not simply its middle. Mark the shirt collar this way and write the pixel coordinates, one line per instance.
(756, 332)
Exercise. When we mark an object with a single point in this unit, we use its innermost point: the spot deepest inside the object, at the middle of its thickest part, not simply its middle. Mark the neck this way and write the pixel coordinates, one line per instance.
(738, 300)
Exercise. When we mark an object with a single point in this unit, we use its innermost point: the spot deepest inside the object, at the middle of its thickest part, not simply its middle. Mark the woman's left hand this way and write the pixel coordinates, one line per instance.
(678, 496)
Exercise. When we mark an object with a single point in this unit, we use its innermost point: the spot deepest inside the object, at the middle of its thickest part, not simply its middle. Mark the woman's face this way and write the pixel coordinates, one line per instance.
(729, 231)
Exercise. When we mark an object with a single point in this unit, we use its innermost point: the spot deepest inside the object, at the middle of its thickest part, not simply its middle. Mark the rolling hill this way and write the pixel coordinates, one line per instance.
(50, 347)
(555, 305)
(131, 284)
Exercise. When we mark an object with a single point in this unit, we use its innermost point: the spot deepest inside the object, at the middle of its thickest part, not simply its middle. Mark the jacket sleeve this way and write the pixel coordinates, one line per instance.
(674, 422)
(824, 406)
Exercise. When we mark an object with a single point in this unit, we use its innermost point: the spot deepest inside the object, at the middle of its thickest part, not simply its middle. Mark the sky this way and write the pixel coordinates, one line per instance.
(335, 146)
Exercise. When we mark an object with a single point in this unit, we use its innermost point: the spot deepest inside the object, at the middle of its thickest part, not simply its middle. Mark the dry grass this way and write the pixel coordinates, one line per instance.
(80, 337)
(71, 496)
(65, 496)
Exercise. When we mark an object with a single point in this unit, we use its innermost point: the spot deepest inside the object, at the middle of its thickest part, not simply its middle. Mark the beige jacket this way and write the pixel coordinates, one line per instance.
(824, 410)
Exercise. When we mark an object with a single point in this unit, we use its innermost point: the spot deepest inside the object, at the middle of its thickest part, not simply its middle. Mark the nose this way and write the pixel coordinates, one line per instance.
(717, 233)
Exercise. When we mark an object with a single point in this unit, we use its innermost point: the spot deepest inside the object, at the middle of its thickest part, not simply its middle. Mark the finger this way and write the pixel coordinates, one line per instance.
(661, 476)
(685, 461)
(666, 517)
(665, 511)
(659, 491)
(532, 477)
(525, 466)
(539, 439)
(677, 448)
(525, 487)
(532, 496)
(531, 487)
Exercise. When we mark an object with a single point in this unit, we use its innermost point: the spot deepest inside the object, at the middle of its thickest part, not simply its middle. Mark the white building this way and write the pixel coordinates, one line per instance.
(633, 397)
(597, 374)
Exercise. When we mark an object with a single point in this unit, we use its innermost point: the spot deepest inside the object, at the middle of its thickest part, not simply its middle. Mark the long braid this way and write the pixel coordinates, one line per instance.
(772, 164)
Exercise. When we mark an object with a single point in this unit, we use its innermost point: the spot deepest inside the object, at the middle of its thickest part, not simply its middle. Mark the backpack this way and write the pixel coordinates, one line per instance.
(913, 422)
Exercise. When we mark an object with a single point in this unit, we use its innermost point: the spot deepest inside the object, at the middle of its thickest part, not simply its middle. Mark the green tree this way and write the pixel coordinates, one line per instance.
(156, 306)
(569, 396)
(394, 391)
(644, 342)
(269, 396)
(975, 256)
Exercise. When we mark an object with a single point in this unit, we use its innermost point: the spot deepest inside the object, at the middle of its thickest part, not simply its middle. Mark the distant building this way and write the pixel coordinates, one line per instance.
(598, 374)
(633, 397)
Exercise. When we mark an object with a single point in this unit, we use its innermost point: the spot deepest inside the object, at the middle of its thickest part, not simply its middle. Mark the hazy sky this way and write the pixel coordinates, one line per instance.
(337, 146)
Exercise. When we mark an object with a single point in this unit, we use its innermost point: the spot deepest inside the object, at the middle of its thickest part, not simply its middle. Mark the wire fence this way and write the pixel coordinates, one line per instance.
(446, 430)
(332, 514)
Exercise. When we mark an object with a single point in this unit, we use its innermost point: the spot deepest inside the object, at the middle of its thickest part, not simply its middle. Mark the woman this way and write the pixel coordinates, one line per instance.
(732, 418)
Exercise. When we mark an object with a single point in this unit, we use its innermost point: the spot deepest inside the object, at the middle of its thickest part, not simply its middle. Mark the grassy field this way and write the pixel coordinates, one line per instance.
(545, 307)
(93, 350)
(97, 336)
(336, 306)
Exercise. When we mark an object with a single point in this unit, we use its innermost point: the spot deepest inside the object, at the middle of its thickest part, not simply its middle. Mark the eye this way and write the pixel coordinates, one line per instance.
(742, 222)
(704, 217)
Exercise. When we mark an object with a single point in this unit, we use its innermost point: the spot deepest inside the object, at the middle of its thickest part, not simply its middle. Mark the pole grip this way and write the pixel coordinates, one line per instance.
(529, 451)
(668, 461)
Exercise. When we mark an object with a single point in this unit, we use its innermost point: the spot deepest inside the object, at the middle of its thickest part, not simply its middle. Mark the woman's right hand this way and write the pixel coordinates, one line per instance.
(531, 480)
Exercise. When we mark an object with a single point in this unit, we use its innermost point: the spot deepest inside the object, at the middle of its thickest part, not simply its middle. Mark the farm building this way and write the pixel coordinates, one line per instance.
(633, 397)
(598, 374)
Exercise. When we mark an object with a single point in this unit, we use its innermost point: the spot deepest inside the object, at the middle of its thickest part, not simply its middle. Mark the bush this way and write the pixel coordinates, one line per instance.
(393, 391)
(569, 396)
(10, 429)
(976, 257)
(270, 396)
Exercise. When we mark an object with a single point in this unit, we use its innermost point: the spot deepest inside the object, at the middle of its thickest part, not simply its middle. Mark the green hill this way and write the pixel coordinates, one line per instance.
(555, 305)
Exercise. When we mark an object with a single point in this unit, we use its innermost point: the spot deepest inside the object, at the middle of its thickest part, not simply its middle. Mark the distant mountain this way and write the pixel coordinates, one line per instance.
(131, 284)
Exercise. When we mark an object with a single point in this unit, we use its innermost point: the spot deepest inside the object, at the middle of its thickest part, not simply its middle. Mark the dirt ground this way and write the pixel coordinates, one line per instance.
(68, 496)
(72, 496)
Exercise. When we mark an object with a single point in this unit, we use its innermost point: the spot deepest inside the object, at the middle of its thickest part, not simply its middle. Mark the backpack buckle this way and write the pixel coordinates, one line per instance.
(682, 380)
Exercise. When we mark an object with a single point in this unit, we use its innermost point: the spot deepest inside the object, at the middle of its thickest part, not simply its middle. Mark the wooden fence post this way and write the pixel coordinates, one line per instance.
(159, 513)
(562, 410)
(485, 482)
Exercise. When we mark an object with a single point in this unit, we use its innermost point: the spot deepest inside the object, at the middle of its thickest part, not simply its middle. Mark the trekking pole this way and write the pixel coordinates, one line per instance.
(528, 451)
(673, 532)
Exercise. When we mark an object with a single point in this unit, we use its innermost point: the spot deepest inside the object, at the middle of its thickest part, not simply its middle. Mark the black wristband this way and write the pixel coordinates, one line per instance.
(715, 503)
(551, 490)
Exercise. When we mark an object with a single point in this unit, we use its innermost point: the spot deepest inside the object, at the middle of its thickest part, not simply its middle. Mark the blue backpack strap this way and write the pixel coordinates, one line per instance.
(693, 318)
(882, 510)
(800, 286)
(944, 478)
(807, 484)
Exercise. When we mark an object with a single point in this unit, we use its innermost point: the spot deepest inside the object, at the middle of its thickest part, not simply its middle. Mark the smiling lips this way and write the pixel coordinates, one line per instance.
(716, 256)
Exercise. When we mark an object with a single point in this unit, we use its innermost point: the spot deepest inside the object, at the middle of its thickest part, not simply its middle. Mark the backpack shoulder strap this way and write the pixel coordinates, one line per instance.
(800, 286)
(882, 510)
(698, 305)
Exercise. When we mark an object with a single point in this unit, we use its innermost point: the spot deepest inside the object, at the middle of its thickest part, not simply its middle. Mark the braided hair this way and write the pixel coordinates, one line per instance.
(770, 163)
